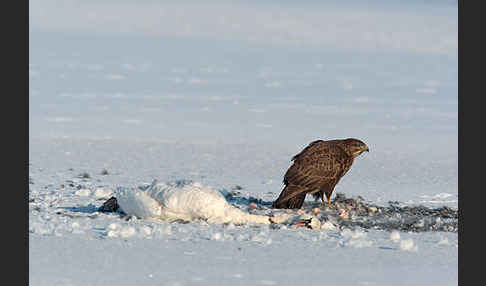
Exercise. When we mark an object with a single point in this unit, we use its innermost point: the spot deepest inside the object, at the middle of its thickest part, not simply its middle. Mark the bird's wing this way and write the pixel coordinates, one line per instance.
(311, 148)
(318, 164)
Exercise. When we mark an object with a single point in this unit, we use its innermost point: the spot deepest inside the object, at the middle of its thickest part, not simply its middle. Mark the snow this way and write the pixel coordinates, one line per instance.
(102, 192)
(407, 245)
(83, 192)
(222, 103)
(395, 236)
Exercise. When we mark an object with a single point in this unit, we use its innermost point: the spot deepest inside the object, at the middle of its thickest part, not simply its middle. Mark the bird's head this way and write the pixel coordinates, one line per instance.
(355, 147)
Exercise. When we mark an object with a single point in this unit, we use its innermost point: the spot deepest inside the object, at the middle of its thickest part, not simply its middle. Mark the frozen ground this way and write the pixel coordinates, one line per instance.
(226, 101)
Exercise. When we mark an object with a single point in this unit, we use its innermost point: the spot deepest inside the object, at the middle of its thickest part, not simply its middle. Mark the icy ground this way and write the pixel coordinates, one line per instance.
(224, 95)
(71, 243)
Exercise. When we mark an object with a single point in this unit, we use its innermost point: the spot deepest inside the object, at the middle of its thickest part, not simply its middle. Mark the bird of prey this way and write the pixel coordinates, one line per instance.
(317, 169)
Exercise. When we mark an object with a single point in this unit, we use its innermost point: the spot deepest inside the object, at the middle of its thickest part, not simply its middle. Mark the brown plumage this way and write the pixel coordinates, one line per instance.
(317, 170)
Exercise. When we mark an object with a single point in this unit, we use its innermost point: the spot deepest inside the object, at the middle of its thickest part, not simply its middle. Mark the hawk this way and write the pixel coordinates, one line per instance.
(317, 169)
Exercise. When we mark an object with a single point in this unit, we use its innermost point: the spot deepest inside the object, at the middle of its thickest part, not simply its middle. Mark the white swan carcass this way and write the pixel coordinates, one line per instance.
(191, 202)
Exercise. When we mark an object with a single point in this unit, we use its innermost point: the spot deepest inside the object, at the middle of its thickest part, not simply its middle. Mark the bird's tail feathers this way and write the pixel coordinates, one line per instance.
(291, 197)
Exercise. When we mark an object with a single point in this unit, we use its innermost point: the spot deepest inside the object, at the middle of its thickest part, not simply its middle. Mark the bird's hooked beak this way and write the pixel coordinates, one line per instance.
(363, 150)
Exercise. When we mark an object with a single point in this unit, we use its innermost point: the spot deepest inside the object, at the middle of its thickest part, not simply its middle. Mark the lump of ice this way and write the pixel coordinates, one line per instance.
(356, 239)
(443, 241)
(124, 232)
(360, 243)
(328, 226)
(216, 236)
(395, 236)
(102, 193)
(127, 231)
(407, 245)
(146, 230)
(83, 192)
